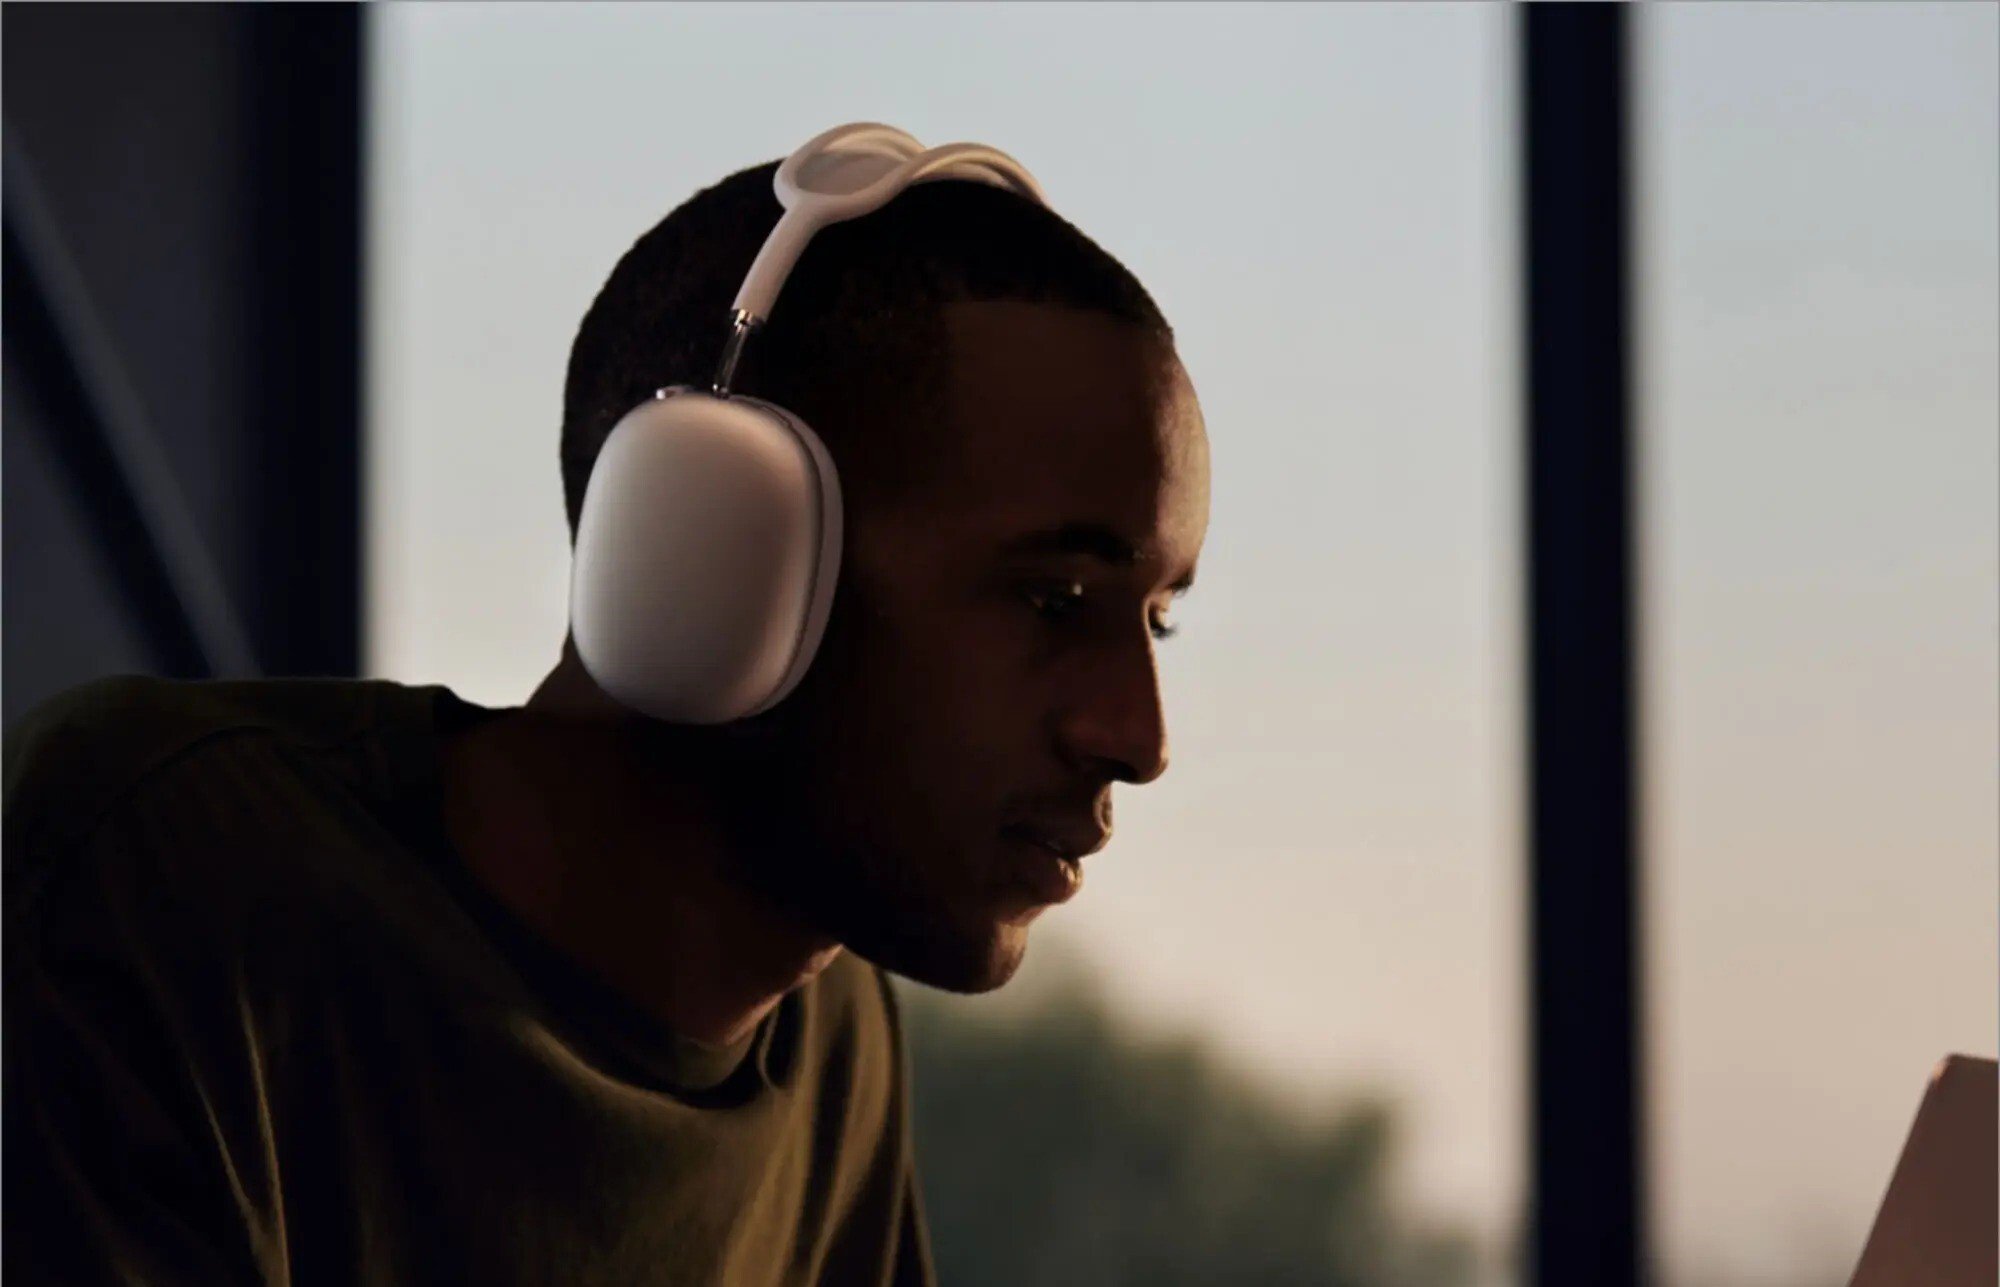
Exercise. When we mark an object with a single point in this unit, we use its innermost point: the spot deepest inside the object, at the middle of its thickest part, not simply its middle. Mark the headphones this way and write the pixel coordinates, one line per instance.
(709, 540)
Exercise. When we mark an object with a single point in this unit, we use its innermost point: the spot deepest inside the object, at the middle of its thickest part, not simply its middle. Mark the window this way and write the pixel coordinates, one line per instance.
(1817, 419)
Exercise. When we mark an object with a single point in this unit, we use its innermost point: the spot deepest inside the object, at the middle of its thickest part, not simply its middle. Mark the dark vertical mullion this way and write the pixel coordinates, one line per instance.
(1587, 1223)
(306, 281)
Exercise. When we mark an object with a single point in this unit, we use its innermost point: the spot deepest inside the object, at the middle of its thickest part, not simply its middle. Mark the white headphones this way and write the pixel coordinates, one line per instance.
(710, 536)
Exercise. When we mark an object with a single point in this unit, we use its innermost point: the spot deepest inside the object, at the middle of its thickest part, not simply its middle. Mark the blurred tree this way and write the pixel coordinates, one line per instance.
(1055, 1147)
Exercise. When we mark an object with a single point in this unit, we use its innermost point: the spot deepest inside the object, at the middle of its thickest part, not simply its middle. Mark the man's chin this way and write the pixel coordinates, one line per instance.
(955, 941)
(966, 962)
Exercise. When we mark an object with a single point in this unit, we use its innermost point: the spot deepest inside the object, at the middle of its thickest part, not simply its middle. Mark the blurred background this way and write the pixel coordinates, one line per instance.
(1583, 836)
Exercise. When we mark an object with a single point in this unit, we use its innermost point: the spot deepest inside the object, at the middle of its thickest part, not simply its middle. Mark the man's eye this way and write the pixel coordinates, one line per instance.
(1059, 602)
(1056, 602)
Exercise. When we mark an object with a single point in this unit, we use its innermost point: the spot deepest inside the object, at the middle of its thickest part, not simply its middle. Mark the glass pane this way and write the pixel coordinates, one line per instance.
(1819, 360)
(1286, 1014)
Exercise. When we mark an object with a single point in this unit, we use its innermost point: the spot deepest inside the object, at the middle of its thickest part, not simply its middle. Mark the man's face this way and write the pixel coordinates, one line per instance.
(989, 668)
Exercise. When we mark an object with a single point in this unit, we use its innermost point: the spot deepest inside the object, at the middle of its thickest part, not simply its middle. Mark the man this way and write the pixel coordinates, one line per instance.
(333, 981)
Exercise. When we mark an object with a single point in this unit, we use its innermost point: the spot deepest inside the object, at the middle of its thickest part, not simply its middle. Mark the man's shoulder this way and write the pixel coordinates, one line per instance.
(207, 818)
(161, 791)
(77, 755)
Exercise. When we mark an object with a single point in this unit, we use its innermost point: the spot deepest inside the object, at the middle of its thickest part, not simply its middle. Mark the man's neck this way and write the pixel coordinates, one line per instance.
(624, 868)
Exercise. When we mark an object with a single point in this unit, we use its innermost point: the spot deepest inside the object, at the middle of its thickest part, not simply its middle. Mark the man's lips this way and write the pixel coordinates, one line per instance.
(1071, 842)
(1043, 871)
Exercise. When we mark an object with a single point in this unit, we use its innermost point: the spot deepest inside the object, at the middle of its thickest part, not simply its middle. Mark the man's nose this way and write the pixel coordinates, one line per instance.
(1115, 725)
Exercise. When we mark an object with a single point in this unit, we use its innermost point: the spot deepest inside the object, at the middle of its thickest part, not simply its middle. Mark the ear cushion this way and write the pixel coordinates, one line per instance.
(706, 555)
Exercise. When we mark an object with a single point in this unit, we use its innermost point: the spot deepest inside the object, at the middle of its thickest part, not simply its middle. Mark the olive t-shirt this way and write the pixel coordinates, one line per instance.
(261, 1027)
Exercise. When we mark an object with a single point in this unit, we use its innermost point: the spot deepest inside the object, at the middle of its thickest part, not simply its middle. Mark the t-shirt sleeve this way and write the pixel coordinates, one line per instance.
(132, 1070)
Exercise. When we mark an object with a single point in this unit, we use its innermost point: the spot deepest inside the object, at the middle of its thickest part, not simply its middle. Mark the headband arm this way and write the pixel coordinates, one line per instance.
(876, 163)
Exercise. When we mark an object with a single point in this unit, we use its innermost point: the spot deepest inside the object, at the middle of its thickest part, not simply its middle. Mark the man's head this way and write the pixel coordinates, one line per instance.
(1026, 477)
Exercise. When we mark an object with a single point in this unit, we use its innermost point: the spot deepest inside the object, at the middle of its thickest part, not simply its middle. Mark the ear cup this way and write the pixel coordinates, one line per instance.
(706, 556)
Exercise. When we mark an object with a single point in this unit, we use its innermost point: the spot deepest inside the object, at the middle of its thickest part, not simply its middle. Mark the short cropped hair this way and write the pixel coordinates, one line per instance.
(855, 343)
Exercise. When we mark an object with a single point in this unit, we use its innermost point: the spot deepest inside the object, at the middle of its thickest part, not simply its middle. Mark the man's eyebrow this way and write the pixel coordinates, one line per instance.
(1092, 539)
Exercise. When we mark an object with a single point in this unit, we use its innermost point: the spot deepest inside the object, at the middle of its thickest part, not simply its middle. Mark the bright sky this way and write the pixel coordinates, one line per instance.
(1320, 198)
